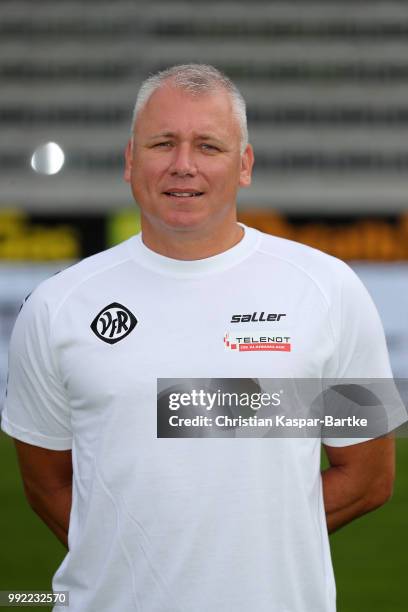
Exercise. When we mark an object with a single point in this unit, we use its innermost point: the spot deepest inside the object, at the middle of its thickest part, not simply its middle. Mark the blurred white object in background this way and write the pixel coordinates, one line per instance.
(48, 158)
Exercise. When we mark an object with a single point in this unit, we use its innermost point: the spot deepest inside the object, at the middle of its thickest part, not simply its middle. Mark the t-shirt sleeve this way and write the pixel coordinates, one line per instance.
(361, 356)
(36, 409)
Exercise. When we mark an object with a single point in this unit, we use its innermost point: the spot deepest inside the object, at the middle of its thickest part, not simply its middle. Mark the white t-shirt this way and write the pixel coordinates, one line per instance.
(183, 524)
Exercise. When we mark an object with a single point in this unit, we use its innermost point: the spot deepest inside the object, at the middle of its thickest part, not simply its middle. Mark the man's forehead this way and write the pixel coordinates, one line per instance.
(170, 109)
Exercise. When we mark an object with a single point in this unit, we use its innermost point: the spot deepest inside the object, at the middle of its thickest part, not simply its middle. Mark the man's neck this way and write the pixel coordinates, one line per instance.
(191, 245)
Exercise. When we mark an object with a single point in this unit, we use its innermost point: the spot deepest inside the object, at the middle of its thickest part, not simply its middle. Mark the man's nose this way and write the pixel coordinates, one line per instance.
(183, 161)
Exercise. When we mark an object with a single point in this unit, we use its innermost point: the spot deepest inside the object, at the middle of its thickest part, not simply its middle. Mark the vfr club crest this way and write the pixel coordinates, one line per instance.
(113, 323)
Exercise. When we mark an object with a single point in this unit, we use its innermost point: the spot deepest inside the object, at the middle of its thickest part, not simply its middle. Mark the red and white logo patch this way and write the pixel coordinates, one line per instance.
(244, 341)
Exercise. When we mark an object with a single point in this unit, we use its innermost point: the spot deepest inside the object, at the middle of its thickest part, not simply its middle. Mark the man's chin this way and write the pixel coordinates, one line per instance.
(185, 222)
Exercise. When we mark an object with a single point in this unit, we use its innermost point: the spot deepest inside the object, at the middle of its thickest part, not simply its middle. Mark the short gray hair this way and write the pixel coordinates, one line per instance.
(196, 79)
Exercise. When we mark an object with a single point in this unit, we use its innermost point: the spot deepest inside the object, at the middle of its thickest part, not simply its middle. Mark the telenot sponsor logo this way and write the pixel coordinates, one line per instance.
(244, 341)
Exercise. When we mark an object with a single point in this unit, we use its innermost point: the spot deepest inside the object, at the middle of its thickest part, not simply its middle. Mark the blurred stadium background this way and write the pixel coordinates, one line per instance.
(327, 89)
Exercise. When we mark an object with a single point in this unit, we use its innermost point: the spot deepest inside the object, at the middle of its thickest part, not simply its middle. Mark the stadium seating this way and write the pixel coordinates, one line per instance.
(326, 83)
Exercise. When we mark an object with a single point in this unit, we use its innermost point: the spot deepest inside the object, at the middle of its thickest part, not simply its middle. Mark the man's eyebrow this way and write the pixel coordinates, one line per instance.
(162, 135)
(174, 135)
(208, 137)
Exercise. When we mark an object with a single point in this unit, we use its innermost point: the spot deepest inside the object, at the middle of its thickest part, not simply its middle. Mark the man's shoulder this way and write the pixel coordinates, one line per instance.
(57, 287)
(300, 263)
(301, 256)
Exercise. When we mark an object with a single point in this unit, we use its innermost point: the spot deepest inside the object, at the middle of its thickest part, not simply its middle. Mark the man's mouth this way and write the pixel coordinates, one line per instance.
(184, 194)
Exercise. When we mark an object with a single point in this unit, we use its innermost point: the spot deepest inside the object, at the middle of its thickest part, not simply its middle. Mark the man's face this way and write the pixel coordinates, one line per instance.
(184, 164)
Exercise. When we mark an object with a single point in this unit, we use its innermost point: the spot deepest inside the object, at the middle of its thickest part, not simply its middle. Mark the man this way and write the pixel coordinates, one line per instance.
(167, 524)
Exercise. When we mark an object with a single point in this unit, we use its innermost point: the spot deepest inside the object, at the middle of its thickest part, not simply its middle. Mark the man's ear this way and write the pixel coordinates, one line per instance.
(128, 160)
(247, 162)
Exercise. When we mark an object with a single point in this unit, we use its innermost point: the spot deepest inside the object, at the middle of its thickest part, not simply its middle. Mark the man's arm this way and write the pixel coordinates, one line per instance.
(360, 478)
(47, 478)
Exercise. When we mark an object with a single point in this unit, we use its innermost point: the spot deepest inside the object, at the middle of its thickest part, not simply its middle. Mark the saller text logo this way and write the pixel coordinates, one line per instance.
(255, 318)
(113, 323)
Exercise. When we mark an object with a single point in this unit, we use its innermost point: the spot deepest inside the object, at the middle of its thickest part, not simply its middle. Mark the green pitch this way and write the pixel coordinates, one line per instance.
(30, 553)
(369, 555)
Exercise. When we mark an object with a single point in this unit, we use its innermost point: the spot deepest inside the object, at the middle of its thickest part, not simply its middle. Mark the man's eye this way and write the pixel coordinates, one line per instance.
(163, 144)
(209, 147)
